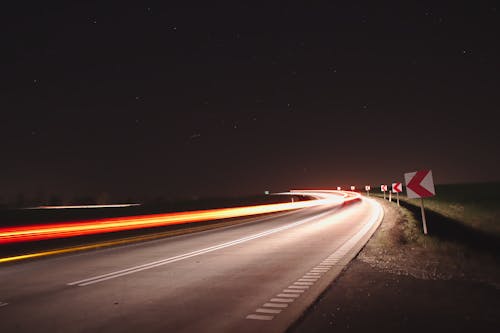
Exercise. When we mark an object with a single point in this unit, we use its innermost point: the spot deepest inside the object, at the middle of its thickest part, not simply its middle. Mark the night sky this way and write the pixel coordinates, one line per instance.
(184, 99)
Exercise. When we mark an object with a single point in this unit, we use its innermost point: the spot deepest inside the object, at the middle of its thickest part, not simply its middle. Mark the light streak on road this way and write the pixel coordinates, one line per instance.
(106, 225)
(84, 206)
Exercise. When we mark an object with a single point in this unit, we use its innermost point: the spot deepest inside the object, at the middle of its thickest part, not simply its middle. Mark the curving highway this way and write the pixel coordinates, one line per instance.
(259, 275)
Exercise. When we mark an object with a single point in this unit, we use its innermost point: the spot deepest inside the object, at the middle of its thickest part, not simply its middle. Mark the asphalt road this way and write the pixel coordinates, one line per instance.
(256, 276)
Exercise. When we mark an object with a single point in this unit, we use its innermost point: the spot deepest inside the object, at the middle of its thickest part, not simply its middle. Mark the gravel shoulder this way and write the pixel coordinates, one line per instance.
(404, 281)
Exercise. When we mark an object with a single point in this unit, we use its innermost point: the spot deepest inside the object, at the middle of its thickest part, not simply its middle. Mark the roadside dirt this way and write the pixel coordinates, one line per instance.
(402, 281)
(399, 247)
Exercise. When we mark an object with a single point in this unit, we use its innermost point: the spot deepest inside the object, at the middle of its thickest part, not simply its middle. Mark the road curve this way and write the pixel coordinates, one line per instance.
(256, 276)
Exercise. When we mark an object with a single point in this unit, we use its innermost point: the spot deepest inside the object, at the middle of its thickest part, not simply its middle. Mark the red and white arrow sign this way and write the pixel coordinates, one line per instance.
(383, 188)
(397, 187)
(419, 184)
(367, 187)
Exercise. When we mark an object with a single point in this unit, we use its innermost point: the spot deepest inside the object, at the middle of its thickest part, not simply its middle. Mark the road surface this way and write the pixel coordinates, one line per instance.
(258, 276)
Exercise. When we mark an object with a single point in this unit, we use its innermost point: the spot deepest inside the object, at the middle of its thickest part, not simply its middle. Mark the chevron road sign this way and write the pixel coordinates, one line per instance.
(383, 188)
(419, 184)
(367, 189)
(397, 187)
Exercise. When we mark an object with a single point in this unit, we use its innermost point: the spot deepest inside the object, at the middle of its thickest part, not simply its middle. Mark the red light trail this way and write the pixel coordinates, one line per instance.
(106, 225)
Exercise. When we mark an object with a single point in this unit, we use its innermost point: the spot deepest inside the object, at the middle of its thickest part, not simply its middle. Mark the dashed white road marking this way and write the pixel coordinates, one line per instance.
(260, 317)
(288, 295)
(293, 291)
(298, 287)
(275, 305)
(282, 300)
(261, 310)
(303, 283)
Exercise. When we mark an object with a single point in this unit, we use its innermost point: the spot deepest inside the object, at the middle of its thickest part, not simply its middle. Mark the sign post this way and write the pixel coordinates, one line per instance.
(422, 210)
(419, 184)
(367, 188)
(383, 188)
(397, 188)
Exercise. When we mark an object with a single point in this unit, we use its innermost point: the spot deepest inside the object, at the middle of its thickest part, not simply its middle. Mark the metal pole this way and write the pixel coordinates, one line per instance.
(423, 215)
(397, 197)
(390, 196)
(384, 195)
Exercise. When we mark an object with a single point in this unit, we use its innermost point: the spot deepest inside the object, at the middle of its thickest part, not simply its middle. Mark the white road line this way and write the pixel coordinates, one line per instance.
(303, 283)
(282, 300)
(293, 291)
(275, 305)
(298, 287)
(288, 295)
(259, 317)
(3, 304)
(261, 310)
(135, 269)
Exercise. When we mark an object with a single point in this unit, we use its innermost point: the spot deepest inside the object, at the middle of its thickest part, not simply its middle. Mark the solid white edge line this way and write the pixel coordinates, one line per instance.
(335, 257)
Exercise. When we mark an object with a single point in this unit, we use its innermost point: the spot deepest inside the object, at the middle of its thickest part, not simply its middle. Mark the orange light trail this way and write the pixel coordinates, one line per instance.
(90, 227)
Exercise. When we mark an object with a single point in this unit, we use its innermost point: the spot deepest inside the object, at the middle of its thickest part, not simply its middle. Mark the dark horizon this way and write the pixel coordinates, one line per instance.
(222, 100)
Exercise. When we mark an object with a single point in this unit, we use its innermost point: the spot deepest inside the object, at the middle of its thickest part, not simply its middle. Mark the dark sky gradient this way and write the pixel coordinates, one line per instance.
(191, 99)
